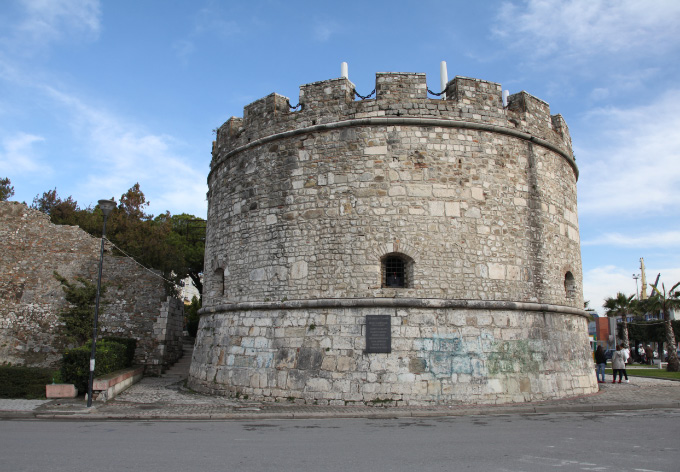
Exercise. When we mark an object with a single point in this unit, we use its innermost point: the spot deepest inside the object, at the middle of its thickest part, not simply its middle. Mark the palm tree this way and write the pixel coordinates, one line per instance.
(621, 305)
(665, 302)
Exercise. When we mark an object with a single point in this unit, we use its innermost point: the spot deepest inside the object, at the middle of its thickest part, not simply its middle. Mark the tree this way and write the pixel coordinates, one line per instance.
(61, 212)
(6, 190)
(174, 245)
(591, 312)
(78, 319)
(192, 317)
(189, 237)
(622, 306)
(133, 203)
(665, 302)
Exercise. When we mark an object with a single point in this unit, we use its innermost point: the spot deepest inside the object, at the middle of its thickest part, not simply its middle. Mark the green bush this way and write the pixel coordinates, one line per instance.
(75, 368)
(130, 346)
(24, 382)
(192, 317)
(78, 319)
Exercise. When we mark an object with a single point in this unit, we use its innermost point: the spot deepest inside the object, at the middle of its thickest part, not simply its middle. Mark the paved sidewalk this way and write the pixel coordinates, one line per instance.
(165, 398)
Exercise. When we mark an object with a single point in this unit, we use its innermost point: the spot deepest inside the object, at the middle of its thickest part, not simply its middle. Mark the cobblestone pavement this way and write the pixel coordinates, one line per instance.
(20, 405)
(166, 398)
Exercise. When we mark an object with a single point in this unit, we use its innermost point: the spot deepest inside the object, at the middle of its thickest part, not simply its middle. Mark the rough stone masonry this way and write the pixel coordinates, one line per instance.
(454, 217)
(135, 303)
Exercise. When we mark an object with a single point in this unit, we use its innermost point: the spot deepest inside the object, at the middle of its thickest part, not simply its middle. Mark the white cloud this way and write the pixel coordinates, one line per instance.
(119, 154)
(631, 165)
(46, 21)
(323, 30)
(590, 27)
(647, 240)
(183, 48)
(18, 155)
(211, 20)
(603, 282)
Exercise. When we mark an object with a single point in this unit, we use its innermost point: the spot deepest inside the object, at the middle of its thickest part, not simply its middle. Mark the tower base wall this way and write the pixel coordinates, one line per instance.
(450, 352)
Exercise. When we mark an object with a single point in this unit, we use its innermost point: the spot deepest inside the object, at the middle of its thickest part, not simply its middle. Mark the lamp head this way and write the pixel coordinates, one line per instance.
(107, 206)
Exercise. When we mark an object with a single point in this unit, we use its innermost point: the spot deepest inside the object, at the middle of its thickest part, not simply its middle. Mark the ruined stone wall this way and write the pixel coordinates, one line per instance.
(304, 206)
(31, 250)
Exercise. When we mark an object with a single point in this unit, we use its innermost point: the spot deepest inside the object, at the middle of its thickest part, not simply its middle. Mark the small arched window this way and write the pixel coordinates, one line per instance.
(396, 271)
(569, 285)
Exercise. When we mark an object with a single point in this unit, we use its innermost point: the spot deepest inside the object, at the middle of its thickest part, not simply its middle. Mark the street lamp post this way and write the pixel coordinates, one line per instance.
(636, 277)
(105, 206)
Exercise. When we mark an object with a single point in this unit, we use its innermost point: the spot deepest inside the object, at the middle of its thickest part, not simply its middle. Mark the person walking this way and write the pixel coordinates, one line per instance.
(600, 363)
(626, 357)
(618, 365)
(649, 354)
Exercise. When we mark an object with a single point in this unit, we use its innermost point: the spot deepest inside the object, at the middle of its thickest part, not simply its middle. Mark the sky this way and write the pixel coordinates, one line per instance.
(96, 96)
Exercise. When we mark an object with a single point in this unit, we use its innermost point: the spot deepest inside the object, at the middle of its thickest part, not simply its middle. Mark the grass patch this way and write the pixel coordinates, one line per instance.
(650, 372)
(25, 382)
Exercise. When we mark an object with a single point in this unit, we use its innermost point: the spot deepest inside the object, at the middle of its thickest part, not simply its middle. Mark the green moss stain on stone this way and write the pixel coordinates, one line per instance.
(514, 356)
(451, 354)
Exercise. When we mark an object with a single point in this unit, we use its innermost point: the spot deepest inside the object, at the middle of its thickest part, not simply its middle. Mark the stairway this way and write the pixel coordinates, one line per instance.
(180, 369)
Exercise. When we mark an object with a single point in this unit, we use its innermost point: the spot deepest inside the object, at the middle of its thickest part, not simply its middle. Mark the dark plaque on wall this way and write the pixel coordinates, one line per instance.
(378, 333)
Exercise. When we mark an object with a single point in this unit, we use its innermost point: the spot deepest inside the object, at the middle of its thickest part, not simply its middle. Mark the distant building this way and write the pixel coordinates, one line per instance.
(187, 290)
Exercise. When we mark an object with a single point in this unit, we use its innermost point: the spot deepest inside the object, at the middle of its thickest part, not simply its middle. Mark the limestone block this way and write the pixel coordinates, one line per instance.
(318, 385)
(452, 209)
(419, 190)
(436, 208)
(345, 363)
(299, 270)
(329, 363)
(375, 150)
(497, 271)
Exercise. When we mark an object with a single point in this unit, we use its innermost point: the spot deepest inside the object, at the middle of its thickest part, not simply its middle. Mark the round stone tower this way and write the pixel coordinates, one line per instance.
(399, 249)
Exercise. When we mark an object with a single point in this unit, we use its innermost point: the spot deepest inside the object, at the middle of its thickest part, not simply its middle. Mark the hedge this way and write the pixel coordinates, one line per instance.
(130, 346)
(24, 382)
(649, 331)
(75, 368)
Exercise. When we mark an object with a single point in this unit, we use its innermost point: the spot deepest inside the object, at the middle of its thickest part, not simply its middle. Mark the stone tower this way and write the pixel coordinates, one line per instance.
(403, 248)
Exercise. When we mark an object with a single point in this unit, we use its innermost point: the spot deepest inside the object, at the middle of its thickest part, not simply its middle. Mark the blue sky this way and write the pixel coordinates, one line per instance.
(98, 95)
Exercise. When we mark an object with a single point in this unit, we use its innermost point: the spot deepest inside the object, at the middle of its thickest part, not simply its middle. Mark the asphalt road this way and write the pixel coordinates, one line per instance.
(639, 441)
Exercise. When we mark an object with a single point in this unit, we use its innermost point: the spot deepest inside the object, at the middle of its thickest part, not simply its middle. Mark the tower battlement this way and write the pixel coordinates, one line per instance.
(399, 97)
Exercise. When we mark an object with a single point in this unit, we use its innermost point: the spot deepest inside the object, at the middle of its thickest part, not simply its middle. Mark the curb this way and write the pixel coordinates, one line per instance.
(387, 413)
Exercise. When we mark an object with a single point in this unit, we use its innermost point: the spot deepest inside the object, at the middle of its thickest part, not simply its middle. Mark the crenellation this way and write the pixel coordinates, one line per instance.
(322, 97)
(400, 86)
(265, 112)
(560, 127)
(533, 113)
(398, 95)
(480, 98)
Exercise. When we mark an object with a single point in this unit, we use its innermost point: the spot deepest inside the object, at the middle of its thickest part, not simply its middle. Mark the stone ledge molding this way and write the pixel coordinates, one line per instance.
(434, 303)
(397, 121)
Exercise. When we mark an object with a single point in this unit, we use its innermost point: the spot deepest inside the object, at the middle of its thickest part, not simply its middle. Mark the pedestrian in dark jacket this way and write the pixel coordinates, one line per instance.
(600, 364)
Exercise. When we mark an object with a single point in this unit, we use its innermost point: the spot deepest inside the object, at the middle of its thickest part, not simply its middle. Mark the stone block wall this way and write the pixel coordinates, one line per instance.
(484, 210)
(477, 200)
(440, 354)
(31, 334)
